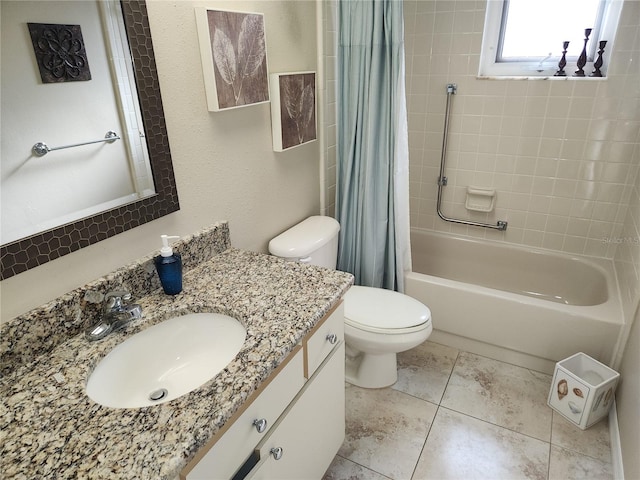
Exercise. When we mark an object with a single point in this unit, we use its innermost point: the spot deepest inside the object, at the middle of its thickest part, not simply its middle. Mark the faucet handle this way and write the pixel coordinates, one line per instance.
(113, 300)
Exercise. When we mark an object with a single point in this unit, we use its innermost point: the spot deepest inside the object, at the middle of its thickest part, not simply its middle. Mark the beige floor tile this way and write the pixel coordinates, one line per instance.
(386, 430)
(461, 447)
(343, 469)
(500, 393)
(594, 441)
(568, 465)
(424, 371)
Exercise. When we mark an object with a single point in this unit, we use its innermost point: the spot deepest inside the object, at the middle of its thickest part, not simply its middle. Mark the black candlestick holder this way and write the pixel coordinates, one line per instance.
(582, 59)
(563, 61)
(598, 63)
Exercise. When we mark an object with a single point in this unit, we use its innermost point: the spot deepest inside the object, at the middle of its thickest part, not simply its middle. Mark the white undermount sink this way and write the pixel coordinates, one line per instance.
(166, 361)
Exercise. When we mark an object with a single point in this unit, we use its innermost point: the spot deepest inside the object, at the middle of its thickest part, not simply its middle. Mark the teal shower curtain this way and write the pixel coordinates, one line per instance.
(372, 193)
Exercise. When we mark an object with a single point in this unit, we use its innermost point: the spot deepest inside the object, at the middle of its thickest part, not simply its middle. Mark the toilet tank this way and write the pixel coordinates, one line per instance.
(314, 241)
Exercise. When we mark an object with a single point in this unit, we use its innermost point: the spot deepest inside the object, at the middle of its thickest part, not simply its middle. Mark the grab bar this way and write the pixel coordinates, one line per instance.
(442, 180)
(40, 149)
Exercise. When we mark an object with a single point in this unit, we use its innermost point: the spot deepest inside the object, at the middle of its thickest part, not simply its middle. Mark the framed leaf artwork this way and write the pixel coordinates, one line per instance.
(293, 109)
(234, 58)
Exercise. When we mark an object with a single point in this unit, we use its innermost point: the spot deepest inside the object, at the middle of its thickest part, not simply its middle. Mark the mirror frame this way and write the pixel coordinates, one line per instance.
(29, 252)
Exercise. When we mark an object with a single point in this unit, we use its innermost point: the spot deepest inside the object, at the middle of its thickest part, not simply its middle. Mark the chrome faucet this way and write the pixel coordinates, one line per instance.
(115, 316)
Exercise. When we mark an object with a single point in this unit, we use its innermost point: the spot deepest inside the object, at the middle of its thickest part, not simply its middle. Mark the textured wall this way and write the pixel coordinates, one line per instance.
(627, 261)
(628, 405)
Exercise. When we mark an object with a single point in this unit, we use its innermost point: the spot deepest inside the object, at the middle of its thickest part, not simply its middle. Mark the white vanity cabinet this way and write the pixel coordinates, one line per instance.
(309, 434)
(294, 425)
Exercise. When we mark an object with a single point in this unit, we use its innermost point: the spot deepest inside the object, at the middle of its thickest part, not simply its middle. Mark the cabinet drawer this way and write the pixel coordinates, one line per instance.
(323, 339)
(307, 438)
(233, 446)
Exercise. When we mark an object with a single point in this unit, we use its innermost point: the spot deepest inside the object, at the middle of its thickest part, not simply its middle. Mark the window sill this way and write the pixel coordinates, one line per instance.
(549, 77)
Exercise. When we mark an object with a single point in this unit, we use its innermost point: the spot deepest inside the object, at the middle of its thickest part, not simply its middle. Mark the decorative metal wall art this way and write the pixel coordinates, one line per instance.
(234, 58)
(60, 52)
(293, 109)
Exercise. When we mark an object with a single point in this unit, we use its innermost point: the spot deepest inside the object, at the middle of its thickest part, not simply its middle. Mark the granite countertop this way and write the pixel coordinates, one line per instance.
(49, 428)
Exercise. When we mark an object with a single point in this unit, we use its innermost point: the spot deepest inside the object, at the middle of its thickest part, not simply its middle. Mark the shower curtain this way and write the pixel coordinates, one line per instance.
(372, 185)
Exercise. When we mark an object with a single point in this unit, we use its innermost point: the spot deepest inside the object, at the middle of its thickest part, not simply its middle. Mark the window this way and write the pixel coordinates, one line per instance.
(525, 37)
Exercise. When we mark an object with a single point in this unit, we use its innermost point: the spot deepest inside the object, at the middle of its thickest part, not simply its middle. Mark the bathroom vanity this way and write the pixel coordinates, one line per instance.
(290, 366)
(274, 435)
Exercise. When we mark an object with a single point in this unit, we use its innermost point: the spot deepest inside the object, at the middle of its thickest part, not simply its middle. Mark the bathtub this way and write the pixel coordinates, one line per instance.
(525, 306)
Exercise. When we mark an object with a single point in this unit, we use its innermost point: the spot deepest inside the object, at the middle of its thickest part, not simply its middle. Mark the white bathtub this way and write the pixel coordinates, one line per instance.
(525, 306)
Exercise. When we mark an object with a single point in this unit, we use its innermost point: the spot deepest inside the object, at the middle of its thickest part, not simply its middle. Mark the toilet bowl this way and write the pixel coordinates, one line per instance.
(379, 323)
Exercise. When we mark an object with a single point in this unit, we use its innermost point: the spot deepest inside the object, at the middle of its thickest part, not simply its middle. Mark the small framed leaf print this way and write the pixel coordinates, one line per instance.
(234, 58)
(293, 109)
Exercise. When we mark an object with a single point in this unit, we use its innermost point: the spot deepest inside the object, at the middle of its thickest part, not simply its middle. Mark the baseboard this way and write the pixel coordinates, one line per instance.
(616, 447)
(492, 351)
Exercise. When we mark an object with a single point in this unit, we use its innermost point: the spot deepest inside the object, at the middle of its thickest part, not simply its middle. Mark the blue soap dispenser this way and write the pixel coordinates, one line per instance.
(169, 267)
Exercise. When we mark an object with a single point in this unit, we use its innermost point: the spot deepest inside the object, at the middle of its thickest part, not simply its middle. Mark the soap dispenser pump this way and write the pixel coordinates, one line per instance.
(169, 267)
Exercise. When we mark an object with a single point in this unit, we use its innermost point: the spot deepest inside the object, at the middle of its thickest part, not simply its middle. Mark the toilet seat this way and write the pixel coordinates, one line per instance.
(378, 310)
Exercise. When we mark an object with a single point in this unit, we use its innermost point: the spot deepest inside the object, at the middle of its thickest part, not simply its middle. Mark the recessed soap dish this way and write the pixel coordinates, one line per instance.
(480, 199)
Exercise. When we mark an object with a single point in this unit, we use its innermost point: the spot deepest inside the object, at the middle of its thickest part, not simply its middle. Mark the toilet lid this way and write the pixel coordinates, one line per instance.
(381, 308)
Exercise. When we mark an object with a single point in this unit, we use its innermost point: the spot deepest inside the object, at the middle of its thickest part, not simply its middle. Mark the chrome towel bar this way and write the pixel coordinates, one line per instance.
(40, 149)
(442, 180)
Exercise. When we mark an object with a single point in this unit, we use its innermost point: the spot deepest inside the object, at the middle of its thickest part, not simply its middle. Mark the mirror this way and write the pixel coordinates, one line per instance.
(40, 248)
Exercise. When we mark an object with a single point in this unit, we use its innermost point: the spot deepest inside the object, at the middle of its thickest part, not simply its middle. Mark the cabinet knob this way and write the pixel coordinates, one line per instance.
(277, 453)
(260, 424)
(332, 338)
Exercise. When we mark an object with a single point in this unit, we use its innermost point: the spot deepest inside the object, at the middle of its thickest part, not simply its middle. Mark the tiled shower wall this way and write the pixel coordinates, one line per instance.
(563, 155)
(627, 258)
(329, 20)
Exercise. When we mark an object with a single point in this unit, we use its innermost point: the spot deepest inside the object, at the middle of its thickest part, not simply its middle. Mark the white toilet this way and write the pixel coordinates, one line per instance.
(379, 323)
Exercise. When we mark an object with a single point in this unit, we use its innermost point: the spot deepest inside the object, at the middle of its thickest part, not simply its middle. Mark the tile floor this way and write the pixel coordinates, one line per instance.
(455, 415)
